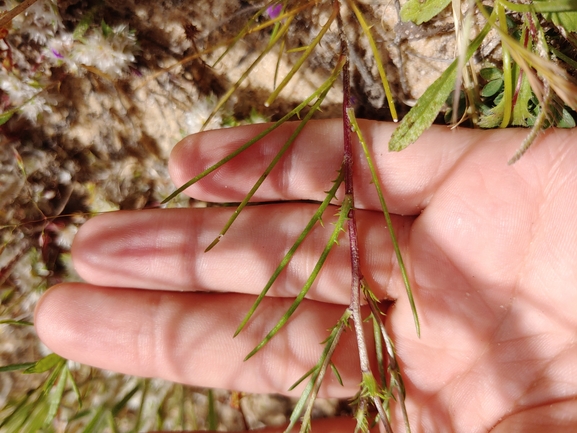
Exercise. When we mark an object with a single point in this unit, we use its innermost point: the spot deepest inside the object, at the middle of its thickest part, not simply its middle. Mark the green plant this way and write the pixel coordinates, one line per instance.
(529, 88)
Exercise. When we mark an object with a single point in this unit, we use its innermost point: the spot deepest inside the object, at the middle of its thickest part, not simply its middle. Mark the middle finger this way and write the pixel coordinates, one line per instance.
(164, 250)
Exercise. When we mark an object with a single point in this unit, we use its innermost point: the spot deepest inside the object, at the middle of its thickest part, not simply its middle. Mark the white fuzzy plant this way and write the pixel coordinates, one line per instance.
(107, 51)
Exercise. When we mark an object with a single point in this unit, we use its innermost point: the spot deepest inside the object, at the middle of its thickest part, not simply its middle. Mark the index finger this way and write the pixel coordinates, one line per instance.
(305, 172)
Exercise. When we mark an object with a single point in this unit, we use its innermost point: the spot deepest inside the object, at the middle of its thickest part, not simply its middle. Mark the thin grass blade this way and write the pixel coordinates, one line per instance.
(212, 417)
(377, 56)
(16, 322)
(507, 71)
(327, 84)
(269, 168)
(282, 31)
(377, 184)
(290, 253)
(124, 401)
(55, 397)
(74, 386)
(305, 55)
(319, 370)
(343, 214)
(303, 377)
(16, 367)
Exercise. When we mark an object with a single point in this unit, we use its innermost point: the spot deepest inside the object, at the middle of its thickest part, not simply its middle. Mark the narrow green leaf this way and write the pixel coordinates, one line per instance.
(301, 403)
(75, 388)
(566, 20)
(44, 364)
(122, 403)
(7, 115)
(138, 420)
(560, 55)
(508, 85)
(16, 322)
(305, 56)
(542, 6)
(16, 367)
(419, 11)
(212, 417)
(242, 33)
(303, 377)
(377, 57)
(377, 183)
(269, 168)
(327, 84)
(423, 114)
(309, 393)
(111, 422)
(18, 415)
(53, 376)
(336, 373)
(95, 423)
(343, 214)
(35, 422)
(55, 397)
(378, 339)
(317, 217)
(283, 30)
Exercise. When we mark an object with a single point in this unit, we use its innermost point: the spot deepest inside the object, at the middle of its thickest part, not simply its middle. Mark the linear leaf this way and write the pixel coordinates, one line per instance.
(343, 214)
(16, 322)
(55, 397)
(318, 371)
(269, 168)
(16, 415)
(16, 367)
(285, 27)
(290, 253)
(123, 402)
(423, 114)
(94, 425)
(44, 364)
(377, 184)
(327, 84)
(5, 117)
(377, 57)
(212, 417)
(305, 55)
(542, 6)
(75, 388)
(303, 377)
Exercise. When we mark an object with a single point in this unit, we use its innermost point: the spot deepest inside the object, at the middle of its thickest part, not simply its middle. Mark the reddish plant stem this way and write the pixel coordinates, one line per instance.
(357, 275)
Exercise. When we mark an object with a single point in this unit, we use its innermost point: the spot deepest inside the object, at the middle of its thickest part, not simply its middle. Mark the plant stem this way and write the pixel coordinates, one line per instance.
(355, 305)
(368, 380)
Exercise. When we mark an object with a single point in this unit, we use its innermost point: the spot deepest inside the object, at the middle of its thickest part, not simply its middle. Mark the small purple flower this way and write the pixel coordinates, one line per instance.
(274, 10)
(56, 54)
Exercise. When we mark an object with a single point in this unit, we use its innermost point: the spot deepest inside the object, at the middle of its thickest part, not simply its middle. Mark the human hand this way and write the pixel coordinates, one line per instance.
(491, 251)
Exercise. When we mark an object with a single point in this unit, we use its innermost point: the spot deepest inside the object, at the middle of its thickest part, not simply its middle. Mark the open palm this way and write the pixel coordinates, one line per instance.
(491, 251)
